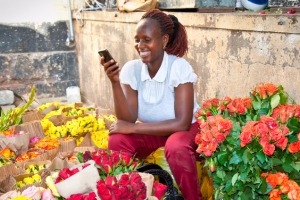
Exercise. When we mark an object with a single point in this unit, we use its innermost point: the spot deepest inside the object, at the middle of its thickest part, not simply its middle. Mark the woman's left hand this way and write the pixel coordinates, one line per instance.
(120, 126)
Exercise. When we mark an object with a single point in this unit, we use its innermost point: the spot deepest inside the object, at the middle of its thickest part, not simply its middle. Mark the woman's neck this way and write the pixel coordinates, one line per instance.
(153, 67)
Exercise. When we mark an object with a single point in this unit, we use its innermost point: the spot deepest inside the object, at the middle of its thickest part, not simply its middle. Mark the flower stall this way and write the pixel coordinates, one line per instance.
(251, 144)
(58, 151)
(251, 148)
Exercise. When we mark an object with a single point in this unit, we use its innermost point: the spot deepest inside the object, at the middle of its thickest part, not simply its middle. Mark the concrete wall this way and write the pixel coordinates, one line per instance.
(230, 52)
(33, 48)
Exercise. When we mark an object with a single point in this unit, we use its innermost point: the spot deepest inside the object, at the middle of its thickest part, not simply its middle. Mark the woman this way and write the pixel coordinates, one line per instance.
(157, 90)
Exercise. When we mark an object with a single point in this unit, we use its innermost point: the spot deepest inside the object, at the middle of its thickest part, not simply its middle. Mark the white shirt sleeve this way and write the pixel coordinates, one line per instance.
(127, 74)
(181, 72)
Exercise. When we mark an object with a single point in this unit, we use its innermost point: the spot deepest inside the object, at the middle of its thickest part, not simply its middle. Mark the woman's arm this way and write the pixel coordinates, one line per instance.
(184, 104)
(125, 100)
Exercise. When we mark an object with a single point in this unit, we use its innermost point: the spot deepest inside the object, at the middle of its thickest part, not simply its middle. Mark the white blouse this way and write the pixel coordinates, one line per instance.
(181, 72)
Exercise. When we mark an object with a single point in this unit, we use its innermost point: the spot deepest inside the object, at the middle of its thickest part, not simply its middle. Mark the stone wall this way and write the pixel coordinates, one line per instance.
(230, 52)
(33, 48)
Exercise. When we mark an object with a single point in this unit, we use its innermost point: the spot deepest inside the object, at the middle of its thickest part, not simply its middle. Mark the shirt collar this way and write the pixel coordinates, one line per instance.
(160, 75)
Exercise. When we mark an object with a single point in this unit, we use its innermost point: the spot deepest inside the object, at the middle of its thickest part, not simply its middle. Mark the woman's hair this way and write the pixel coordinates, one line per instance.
(169, 24)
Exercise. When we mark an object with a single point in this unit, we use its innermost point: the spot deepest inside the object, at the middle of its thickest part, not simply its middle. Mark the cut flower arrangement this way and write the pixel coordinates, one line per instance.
(245, 140)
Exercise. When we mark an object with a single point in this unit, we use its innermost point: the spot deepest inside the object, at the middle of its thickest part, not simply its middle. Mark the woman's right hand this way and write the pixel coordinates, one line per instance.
(111, 69)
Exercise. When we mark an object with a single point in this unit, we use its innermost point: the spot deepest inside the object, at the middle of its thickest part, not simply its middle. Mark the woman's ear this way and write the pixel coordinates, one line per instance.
(165, 39)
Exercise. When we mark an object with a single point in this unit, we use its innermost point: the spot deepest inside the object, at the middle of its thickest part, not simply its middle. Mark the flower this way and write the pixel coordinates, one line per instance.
(32, 192)
(89, 196)
(243, 137)
(109, 162)
(9, 195)
(282, 186)
(159, 190)
(47, 195)
(130, 187)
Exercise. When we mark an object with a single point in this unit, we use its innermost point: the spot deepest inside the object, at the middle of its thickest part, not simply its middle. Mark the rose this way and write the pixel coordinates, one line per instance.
(32, 192)
(9, 195)
(159, 190)
(34, 139)
(47, 195)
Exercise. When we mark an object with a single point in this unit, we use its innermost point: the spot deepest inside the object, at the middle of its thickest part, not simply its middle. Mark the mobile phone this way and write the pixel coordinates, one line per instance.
(107, 56)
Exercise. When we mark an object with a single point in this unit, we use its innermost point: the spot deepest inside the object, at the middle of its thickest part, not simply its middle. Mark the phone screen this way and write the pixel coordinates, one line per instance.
(105, 53)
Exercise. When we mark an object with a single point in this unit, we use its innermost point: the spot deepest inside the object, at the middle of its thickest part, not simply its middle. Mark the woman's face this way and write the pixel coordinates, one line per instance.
(149, 42)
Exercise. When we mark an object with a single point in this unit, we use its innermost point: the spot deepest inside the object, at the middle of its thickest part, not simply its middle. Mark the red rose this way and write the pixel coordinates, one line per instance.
(245, 138)
(115, 157)
(124, 180)
(125, 192)
(76, 197)
(159, 190)
(269, 149)
(282, 143)
(90, 196)
(103, 192)
(126, 158)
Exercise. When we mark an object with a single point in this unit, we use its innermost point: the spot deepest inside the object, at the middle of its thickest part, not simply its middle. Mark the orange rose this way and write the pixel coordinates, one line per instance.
(275, 195)
(272, 180)
(271, 89)
(294, 147)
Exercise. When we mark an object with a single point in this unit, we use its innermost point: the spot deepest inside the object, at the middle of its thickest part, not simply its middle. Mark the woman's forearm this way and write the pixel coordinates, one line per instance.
(164, 128)
(123, 110)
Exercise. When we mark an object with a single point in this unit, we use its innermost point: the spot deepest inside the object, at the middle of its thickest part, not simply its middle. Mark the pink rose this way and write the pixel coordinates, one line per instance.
(47, 195)
(32, 192)
(8, 195)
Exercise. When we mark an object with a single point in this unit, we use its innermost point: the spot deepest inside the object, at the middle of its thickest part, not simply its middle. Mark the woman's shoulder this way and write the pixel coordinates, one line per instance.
(179, 63)
(133, 63)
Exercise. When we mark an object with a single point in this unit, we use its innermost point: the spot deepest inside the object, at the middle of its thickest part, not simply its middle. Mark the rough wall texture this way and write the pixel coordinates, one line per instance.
(230, 53)
(36, 54)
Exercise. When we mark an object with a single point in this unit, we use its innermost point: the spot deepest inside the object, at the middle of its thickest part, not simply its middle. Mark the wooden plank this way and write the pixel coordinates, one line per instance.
(216, 10)
(285, 9)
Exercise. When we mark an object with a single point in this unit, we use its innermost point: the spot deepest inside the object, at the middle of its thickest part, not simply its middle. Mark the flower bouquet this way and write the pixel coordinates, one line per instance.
(243, 138)
(109, 162)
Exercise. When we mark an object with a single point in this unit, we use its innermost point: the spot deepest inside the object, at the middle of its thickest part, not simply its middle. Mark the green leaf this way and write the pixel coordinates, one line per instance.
(283, 98)
(276, 161)
(263, 111)
(287, 167)
(222, 157)
(80, 157)
(261, 156)
(275, 100)
(247, 156)
(256, 105)
(234, 179)
(228, 186)
(221, 174)
(293, 125)
(235, 159)
(265, 187)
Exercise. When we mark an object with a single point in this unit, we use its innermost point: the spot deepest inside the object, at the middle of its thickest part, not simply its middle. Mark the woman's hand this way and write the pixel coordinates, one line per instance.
(120, 126)
(111, 69)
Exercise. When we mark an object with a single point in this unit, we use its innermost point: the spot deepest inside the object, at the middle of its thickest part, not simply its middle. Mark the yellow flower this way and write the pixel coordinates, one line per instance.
(37, 178)
(22, 198)
(28, 180)
(20, 184)
(50, 183)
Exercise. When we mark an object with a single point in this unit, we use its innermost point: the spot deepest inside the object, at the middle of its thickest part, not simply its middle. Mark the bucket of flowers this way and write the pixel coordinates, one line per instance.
(245, 141)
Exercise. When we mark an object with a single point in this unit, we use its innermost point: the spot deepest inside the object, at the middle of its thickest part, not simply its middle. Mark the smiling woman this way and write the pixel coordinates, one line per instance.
(157, 90)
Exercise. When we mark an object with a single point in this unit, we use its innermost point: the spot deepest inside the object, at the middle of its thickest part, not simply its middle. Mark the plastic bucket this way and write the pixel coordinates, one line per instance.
(73, 94)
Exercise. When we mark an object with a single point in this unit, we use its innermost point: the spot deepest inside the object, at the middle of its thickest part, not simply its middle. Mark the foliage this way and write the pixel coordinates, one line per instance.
(14, 116)
(242, 138)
